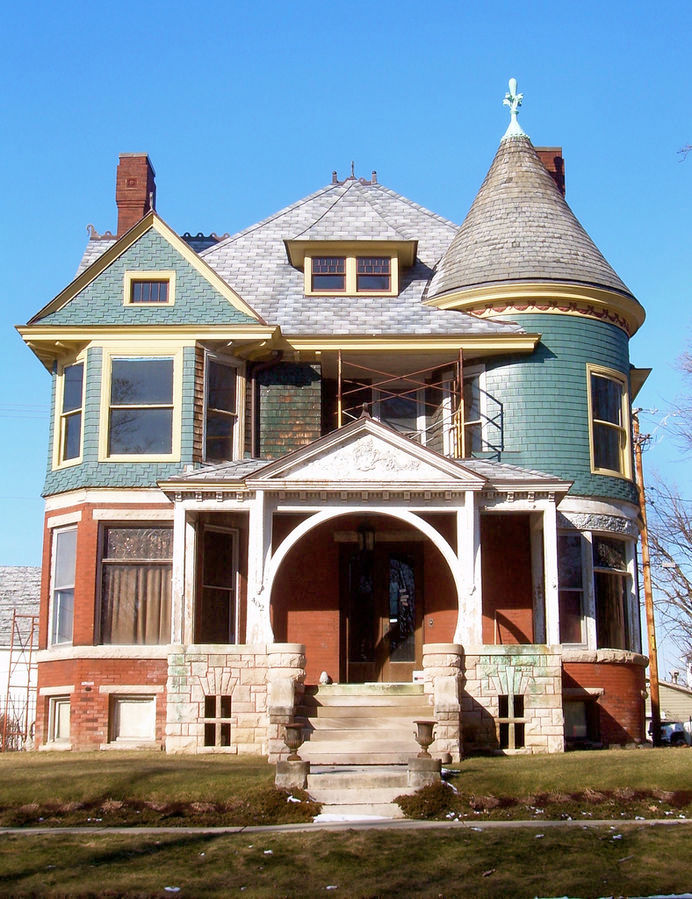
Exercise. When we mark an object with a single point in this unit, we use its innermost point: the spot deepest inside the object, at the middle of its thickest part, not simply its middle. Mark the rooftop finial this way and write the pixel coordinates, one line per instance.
(513, 100)
(353, 165)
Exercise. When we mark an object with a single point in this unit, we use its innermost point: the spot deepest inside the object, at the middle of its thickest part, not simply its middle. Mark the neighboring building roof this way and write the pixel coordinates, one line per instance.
(520, 228)
(675, 700)
(20, 589)
(255, 263)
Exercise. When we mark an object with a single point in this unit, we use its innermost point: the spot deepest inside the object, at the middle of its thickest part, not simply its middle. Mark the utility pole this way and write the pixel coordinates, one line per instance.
(648, 591)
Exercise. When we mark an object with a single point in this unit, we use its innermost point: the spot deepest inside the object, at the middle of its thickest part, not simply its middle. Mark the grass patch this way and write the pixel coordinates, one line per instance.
(507, 863)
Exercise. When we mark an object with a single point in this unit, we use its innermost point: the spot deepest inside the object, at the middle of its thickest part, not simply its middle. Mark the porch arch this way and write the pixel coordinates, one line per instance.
(411, 518)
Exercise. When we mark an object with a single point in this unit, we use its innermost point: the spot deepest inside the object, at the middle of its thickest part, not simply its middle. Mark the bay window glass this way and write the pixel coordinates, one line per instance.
(141, 407)
(608, 423)
(136, 567)
(221, 414)
(62, 606)
(71, 412)
(571, 588)
(611, 591)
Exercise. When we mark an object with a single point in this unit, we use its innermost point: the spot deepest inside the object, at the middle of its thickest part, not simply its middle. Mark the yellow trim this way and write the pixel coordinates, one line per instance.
(504, 299)
(150, 220)
(511, 343)
(132, 277)
(57, 424)
(626, 451)
(351, 277)
(126, 351)
(299, 250)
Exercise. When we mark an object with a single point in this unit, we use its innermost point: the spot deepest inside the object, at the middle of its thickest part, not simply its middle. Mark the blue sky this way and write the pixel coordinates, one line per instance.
(246, 107)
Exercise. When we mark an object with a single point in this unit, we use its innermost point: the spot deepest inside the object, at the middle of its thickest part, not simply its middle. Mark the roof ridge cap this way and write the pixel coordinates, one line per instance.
(270, 218)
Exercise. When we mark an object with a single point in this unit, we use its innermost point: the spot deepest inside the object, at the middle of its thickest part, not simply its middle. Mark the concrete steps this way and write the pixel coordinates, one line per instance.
(361, 724)
(352, 791)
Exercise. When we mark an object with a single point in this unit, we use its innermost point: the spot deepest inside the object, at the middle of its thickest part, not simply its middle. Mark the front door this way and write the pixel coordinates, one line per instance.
(381, 612)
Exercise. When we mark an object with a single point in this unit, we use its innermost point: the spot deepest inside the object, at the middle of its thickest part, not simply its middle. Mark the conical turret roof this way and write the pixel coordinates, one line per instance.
(520, 229)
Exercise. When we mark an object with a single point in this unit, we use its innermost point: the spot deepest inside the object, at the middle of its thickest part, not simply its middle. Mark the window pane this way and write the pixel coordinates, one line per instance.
(72, 387)
(63, 615)
(141, 382)
(569, 560)
(139, 543)
(61, 719)
(150, 291)
(576, 726)
(221, 386)
(219, 444)
(611, 611)
(225, 706)
(609, 553)
(503, 706)
(328, 282)
(210, 706)
(209, 734)
(136, 603)
(606, 398)
(606, 448)
(138, 431)
(518, 706)
(328, 265)
(519, 736)
(373, 282)
(72, 436)
(570, 616)
(400, 412)
(373, 273)
(65, 554)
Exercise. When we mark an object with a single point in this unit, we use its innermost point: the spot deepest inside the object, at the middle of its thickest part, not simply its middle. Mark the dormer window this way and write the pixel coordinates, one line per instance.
(373, 273)
(329, 273)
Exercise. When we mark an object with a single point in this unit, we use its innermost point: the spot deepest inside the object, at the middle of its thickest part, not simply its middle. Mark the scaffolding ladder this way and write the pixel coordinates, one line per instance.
(18, 715)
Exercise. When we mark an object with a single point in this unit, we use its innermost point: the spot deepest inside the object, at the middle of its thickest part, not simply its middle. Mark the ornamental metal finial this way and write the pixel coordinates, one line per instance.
(513, 101)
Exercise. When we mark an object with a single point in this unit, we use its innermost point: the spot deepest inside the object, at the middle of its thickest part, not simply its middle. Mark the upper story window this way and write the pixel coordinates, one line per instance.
(149, 288)
(140, 419)
(221, 411)
(352, 275)
(70, 427)
(329, 273)
(373, 273)
(610, 451)
(62, 585)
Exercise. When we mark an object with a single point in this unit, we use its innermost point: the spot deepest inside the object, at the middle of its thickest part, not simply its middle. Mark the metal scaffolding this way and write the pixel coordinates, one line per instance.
(18, 715)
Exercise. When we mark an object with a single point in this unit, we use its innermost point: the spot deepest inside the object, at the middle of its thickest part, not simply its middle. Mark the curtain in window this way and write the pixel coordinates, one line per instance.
(136, 604)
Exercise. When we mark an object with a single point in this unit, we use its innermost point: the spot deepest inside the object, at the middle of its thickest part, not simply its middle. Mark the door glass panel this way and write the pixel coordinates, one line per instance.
(363, 621)
(402, 610)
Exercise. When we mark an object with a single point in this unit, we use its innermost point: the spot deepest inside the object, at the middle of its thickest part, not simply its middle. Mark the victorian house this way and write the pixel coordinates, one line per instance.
(352, 465)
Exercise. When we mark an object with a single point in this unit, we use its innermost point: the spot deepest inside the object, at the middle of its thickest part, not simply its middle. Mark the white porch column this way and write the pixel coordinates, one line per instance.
(469, 627)
(259, 629)
(189, 578)
(178, 574)
(538, 577)
(552, 607)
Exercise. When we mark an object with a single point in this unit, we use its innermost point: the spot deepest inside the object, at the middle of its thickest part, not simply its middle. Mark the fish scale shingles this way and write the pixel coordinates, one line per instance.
(520, 228)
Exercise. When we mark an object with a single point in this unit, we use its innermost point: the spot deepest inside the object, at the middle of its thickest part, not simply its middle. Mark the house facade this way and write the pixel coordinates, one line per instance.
(354, 444)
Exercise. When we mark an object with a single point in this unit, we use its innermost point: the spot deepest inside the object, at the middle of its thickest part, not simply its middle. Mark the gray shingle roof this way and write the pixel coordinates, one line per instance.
(92, 251)
(20, 589)
(520, 228)
(255, 264)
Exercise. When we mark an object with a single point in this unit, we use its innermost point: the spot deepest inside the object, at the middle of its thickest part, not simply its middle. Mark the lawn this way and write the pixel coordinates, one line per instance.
(630, 860)
(152, 788)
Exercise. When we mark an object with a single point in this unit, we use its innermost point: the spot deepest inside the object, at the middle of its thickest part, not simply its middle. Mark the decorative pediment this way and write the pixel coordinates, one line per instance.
(365, 454)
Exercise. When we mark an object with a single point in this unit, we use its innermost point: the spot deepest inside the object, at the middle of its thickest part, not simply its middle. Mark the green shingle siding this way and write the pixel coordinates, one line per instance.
(101, 301)
(290, 408)
(544, 399)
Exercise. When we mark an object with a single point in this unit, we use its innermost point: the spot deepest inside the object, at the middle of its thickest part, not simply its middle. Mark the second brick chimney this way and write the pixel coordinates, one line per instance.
(552, 159)
(135, 189)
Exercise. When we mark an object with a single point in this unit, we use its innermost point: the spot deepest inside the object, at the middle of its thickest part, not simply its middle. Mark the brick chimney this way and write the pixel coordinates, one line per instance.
(135, 189)
(551, 157)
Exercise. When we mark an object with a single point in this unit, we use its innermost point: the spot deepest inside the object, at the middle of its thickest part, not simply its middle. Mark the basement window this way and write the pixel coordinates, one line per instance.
(59, 719)
(133, 719)
(217, 721)
(511, 723)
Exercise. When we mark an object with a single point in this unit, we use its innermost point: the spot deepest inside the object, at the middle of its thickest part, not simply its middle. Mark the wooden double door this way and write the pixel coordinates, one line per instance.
(381, 605)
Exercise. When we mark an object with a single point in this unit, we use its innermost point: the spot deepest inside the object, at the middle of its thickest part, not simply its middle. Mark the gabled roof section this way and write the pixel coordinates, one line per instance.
(96, 295)
(520, 228)
(255, 262)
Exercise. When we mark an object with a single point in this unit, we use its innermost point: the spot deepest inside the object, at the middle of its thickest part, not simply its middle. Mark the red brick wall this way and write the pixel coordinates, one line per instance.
(89, 708)
(621, 707)
(506, 578)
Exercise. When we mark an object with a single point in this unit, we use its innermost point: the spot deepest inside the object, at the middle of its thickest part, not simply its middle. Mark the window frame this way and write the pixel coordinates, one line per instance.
(53, 719)
(234, 535)
(114, 701)
(469, 373)
(350, 258)
(624, 429)
(60, 416)
(238, 427)
(586, 547)
(134, 353)
(120, 524)
(130, 278)
(55, 535)
(625, 574)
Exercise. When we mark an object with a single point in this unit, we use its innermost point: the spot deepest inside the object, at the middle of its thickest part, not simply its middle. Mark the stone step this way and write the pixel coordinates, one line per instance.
(367, 810)
(347, 777)
(355, 796)
(336, 754)
(378, 736)
(376, 689)
(336, 700)
(354, 742)
(342, 722)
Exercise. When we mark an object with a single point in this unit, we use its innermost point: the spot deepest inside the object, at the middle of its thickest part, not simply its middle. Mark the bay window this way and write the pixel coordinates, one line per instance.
(609, 422)
(62, 587)
(571, 588)
(140, 415)
(70, 428)
(611, 593)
